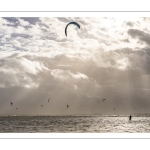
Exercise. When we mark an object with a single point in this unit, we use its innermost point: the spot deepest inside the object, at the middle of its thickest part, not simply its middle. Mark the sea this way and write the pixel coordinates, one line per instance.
(74, 124)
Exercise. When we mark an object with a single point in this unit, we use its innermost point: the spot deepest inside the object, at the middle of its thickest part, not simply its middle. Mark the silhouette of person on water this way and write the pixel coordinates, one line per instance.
(130, 117)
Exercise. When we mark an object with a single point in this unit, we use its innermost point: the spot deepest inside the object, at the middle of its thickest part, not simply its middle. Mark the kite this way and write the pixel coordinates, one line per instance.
(103, 100)
(49, 99)
(69, 24)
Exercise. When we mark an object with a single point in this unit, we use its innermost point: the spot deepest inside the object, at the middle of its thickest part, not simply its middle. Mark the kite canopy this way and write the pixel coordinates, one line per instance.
(49, 99)
(75, 23)
(104, 100)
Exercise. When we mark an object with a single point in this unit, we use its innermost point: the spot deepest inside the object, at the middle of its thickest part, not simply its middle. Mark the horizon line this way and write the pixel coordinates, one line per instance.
(75, 11)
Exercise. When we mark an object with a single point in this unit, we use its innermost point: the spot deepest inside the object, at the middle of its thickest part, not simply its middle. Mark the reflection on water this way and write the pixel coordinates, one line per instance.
(73, 124)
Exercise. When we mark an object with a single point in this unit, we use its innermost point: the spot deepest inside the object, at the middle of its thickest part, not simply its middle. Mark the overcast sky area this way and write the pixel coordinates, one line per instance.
(107, 58)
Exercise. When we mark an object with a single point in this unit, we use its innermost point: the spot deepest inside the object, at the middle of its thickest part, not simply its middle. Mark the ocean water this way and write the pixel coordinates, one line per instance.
(73, 124)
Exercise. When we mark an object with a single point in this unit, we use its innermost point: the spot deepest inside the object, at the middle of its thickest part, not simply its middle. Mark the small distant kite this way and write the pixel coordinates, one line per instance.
(104, 100)
(67, 106)
(41, 106)
(16, 109)
(79, 106)
(69, 24)
(49, 99)
(11, 103)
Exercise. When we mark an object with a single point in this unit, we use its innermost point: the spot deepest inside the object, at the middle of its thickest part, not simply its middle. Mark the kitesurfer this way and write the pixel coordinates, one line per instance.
(130, 117)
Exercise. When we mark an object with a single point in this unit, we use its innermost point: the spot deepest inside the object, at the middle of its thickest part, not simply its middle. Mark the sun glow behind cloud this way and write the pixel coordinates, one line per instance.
(106, 55)
(122, 63)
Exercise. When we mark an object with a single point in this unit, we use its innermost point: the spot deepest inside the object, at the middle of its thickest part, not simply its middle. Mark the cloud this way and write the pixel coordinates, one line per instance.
(18, 71)
(31, 20)
(67, 75)
(140, 35)
(105, 58)
(131, 24)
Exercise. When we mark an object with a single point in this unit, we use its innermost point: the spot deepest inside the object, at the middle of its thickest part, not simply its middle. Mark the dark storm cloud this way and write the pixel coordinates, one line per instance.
(139, 34)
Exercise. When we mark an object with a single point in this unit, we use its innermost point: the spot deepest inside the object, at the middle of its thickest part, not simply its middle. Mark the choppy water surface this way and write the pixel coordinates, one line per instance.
(73, 124)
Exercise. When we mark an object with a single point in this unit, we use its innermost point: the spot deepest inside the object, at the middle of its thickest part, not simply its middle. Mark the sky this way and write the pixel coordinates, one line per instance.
(107, 58)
